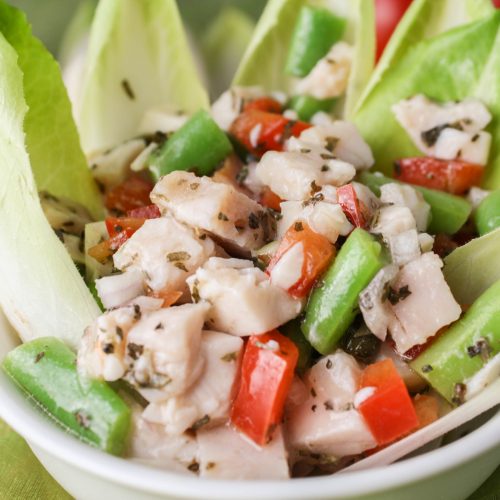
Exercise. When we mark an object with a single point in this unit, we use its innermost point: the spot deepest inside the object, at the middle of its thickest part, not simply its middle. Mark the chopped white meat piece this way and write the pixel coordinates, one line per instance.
(315, 429)
(242, 299)
(146, 303)
(288, 270)
(485, 376)
(428, 307)
(406, 196)
(366, 197)
(117, 289)
(477, 149)
(297, 394)
(426, 242)
(323, 218)
(155, 120)
(251, 180)
(102, 348)
(393, 220)
(225, 454)
(229, 105)
(343, 140)
(334, 380)
(291, 114)
(163, 350)
(374, 305)
(411, 378)
(330, 75)
(165, 252)
(112, 167)
(150, 444)
(476, 196)
(298, 176)
(208, 401)
(322, 118)
(450, 130)
(214, 207)
(404, 247)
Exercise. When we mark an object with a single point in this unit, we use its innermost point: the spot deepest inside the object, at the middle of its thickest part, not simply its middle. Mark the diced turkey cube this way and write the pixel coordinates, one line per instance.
(452, 130)
(163, 349)
(298, 176)
(151, 445)
(226, 454)
(242, 299)
(392, 220)
(427, 303)
(406, 196)
(117, 289)
(330, 75)
(342, 139)
(323, 218)
(404, 247)
(166, 252)
(207, 402)
(214, 207)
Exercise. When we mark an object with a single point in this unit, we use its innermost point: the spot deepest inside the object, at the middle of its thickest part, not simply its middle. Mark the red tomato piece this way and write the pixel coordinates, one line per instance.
(389, 412)
(267, 371)
(147, 212)
(318, 253)
(274, 130)
(387, 16)
(354, 210)
(264, 104)
(130, 194)
(452, 176)
(270, 199)
(116, 225)
(102, 251)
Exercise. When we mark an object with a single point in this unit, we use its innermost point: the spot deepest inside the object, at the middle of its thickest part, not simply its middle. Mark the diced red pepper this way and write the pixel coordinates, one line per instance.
(116, 225)
(264, 104)
(318, 253)
(102, 251)
(274, 130)
(389, 412)
(147, 212)
(270, 199)
(130, 194)
(427, 409)
(452, 176)
(354, 210)
(267, 371)
(169, 297)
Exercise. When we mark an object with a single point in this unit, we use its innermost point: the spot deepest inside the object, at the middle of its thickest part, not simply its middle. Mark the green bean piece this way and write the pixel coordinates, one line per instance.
(315, 32)
(46, 369)
(333, 306)
(487, 215)
(307, 106)
(293, 332)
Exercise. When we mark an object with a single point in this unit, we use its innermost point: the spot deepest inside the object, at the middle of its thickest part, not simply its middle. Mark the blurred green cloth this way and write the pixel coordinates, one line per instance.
(22, 477)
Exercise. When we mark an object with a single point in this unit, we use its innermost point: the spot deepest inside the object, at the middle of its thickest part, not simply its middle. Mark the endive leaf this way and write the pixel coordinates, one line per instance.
(138, 59)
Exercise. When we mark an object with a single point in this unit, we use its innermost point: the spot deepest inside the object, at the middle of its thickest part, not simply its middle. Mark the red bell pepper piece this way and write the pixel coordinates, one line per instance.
(389, 412)
(275, 129)
(264, 104)
(102, 251)
(130, 194)
(270, 199)
(116, 225)
(452, 176)
(318, 253)
(354, 210)
(147, 212)
(267, 371)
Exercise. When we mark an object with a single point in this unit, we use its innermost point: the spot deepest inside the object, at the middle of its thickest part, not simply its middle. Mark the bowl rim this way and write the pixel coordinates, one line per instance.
(23, 416)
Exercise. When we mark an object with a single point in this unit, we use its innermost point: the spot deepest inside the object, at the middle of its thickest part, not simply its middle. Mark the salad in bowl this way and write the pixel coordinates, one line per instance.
(300, 278)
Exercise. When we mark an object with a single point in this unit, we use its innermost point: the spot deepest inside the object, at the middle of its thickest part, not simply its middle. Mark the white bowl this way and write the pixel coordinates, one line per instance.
(452, 472)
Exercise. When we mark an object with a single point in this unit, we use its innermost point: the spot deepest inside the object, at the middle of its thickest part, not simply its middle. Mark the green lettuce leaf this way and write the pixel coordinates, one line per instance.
(472, 268)
(222, 58)
(264, 61)
(463, 62)
(425, 19)
(57, 160)
(42, 293)
(138, 59)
